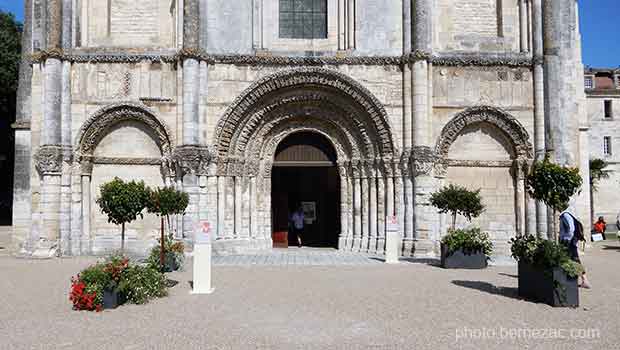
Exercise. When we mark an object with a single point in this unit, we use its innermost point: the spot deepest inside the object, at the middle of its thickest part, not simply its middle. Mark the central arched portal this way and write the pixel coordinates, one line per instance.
(305, 173)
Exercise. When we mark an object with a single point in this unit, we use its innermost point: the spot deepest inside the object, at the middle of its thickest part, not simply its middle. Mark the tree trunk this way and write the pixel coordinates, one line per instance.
(123, 238)
(556, 226)
(453, 221)
(162, 254)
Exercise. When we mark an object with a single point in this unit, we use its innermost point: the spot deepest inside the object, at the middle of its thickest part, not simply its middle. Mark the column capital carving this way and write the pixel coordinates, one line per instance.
(423, 160)
(192, 159)
(48, 159)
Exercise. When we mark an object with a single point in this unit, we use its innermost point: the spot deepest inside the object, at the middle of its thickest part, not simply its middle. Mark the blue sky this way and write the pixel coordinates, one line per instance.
(600, 29)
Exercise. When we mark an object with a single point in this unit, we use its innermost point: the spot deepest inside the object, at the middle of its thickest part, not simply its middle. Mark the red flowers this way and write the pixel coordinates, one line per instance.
(115, 267)
(81, 298)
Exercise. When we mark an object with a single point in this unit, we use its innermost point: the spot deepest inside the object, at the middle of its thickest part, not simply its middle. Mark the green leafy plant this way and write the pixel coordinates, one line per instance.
(140, 284)
(123, 202)
(544, 254)
(455, 200)
(554, 185)
(470, 241)
(174, 255)
(164, 202)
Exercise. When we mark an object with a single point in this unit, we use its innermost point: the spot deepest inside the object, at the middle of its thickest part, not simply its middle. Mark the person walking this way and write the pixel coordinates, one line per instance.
(600, 227)
(297, 223)
(571, 232)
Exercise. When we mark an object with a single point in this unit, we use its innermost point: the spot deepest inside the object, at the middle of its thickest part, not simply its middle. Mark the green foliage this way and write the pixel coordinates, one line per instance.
(142, 283)
(167, 201)
(553, 184)
(544, 254)
(10, 55)
(174, 252)
(469, 240)
(123, 201)
(598, 172)
(456, 199)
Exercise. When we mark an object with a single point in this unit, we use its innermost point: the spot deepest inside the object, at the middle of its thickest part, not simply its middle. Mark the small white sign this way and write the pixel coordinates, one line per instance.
(203, 233)
(392, 223)
(597, 237)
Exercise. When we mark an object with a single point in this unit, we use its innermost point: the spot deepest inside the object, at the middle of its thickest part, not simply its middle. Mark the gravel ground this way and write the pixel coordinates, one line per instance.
(412, 305)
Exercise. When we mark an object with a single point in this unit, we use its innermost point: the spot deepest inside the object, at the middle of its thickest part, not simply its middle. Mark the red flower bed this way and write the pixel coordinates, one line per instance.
(81, 298)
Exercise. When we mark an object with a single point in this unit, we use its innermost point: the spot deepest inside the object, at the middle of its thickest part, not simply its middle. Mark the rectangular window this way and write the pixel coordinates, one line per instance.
(303, 19)
(589, 83)
(607, 145)
(608, 109)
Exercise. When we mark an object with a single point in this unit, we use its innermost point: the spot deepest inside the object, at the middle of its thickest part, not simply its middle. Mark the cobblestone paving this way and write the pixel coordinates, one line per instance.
(296, 256)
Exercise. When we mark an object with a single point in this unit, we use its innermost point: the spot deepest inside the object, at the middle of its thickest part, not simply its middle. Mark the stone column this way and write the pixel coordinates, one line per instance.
(539, 105)
(221, 206)
(191, 146)
(520, 196)
(408, 201)
(49, 156)
(564, 93)
(372, 206)
(523, 25)
(422, 156)
(365, 210)
(357, 207)
(344, 199)
(399, 200)
(341, 26)
(253, 208)
(86, 200)
(381, 212)
(351, 24)
(21, 180)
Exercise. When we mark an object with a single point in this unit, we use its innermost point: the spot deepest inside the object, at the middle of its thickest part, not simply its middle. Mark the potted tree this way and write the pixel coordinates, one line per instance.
(463, 248)
(546, 272)
(164, 202)
(123, 202)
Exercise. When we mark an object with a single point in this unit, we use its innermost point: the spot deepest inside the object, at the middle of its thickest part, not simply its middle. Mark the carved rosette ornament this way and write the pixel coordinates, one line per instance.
(48, 159)
(192, 159)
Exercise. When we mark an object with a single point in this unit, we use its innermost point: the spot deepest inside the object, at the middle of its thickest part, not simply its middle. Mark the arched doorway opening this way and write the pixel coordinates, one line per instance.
(305, 174)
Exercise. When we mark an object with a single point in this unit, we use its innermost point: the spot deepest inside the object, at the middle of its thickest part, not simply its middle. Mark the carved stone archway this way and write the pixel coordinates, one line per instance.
(318, 100)
(505, 122)
(103, 120)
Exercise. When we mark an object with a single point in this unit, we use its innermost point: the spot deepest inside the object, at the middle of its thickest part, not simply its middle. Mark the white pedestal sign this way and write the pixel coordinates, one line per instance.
(202, 260)
(392, 238)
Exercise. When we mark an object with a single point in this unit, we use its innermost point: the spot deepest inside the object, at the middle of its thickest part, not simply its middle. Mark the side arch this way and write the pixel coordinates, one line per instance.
(506, 123)
(100, 123)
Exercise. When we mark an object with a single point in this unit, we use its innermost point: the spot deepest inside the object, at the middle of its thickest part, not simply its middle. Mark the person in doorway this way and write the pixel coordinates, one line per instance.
(297, 223)
(571, 232)
(600, 226)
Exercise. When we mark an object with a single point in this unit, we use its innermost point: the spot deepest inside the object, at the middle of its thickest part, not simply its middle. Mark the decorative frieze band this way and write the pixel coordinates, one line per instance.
(456, 59)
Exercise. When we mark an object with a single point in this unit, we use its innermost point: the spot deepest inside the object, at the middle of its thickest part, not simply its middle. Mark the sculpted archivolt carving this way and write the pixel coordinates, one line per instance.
(97, 126)
(495, 116)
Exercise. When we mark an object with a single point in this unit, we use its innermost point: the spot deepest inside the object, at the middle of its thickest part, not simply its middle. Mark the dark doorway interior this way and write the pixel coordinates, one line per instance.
(305, 171)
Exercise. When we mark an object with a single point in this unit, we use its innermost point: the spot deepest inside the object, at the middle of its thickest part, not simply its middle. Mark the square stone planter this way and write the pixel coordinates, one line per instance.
(112, 299)
(462, 260)
(170, 263)
(552, 287)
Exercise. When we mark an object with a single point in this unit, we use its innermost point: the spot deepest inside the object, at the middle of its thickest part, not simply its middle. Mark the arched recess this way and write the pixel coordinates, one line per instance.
(486, 148)
(318, 100)
(128, 141)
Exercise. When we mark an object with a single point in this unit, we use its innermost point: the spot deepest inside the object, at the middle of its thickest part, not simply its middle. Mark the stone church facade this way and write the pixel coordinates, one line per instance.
(199, 94)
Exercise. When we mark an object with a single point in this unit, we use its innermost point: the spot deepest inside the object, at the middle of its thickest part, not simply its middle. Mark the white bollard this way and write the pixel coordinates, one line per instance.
(202, 261)
(392, 238)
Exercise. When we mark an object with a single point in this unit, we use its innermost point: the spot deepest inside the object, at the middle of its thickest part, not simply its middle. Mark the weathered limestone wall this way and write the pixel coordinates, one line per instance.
(127, 23)
(477, 25)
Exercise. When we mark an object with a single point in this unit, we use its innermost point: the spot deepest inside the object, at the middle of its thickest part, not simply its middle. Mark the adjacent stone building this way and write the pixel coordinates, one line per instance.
(603, 95)
(356, 109)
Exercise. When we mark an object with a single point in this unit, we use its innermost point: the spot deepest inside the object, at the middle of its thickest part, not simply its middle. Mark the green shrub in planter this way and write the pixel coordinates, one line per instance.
(174, 255)
(546, 272)
(466, 248)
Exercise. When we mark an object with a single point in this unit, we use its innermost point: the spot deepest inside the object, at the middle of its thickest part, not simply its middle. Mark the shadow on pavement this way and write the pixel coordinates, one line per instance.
(508, 275)
(507, 292)
(611, 247)
(427, 261)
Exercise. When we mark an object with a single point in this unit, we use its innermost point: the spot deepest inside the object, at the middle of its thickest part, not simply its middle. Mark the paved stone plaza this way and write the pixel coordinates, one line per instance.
(364, 305)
